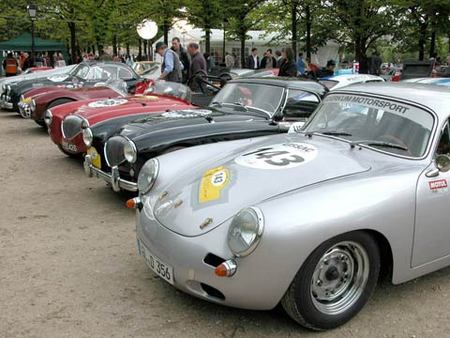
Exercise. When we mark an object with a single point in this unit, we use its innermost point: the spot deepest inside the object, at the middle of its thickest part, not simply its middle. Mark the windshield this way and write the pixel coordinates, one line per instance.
(168, 88)
(260, 97)
(380, 123)
(119, 86)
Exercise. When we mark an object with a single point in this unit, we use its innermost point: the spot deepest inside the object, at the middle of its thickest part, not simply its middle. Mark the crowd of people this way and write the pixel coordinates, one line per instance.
(16, 63)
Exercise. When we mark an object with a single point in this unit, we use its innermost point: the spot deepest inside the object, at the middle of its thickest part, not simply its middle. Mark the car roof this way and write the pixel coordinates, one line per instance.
(287, 82)
(436, 98)
(354, 77)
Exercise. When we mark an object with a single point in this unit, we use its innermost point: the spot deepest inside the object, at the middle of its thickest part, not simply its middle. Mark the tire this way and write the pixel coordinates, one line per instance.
(349, 266)
(77, 156)
(40, 123)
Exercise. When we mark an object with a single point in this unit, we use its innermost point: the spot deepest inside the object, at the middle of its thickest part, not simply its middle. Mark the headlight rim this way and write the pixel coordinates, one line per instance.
(133, 148)
(150, 185)
(90, 136)
(258, 235)
(48, 117)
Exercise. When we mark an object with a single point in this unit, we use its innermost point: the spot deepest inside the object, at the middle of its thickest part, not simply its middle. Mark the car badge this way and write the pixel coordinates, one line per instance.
(206, 222)
(163, 195)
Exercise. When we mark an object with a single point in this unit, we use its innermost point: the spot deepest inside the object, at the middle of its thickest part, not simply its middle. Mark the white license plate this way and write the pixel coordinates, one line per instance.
(69, 147)
(159, 267)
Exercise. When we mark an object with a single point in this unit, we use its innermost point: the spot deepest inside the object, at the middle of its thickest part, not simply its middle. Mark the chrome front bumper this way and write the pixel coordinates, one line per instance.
(4, 103)
(114, 179)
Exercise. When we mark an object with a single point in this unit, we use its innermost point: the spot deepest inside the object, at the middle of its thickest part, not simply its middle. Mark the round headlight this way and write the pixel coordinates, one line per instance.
(147, 176)
(245, 231)
(130, 151)
(48, 117)
(88, 137)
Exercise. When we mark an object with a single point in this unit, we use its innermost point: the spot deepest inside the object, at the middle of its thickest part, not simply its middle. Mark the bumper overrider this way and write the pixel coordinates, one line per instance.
(5, 101)
(112, 178)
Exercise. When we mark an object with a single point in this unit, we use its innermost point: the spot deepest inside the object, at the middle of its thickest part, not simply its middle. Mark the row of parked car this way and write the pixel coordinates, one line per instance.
(273, 190)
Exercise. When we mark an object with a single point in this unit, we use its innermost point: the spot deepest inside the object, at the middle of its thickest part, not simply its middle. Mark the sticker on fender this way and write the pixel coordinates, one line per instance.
(212, 184)
(278, 156)
(438, 185)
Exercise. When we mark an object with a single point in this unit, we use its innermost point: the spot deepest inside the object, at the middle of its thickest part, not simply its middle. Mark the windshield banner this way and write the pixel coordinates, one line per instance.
(370, 102)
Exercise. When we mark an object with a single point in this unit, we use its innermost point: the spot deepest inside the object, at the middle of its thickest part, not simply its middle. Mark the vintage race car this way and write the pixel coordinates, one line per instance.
(309, 218)
(86, 74)
(431, 80)
(7, 82)
(36, 101)
(339, 81)
(243, 108)
(106, 116)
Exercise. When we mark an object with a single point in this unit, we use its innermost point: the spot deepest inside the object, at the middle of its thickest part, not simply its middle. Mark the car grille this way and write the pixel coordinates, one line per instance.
(71, 126)
(114, 151)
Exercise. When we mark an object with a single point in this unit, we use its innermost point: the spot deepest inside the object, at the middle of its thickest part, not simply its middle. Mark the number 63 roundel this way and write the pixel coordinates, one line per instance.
(278, 156)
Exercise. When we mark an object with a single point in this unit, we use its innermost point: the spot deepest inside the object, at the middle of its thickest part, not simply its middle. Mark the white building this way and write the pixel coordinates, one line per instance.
(258, 39)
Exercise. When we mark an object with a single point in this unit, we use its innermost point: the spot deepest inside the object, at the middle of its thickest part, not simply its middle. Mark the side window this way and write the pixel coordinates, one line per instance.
(444, 143)
(125, 74)
(300, 104)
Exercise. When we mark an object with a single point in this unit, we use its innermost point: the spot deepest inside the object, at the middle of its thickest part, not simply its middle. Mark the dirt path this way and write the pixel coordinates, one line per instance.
(68, 265)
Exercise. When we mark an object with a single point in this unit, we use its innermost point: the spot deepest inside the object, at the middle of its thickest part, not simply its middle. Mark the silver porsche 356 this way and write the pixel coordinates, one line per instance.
(309, 218)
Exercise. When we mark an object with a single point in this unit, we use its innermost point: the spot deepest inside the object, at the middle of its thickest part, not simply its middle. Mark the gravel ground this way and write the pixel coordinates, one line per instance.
(68, 266)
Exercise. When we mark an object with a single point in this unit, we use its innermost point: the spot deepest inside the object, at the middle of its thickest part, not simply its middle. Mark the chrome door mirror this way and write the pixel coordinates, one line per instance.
(443, 163)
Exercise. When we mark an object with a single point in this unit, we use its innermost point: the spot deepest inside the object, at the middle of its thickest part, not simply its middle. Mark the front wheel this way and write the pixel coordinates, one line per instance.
(335, 282)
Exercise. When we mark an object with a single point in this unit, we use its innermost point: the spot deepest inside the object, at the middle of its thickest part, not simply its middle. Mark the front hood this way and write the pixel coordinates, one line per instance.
(274, 165)
(182, 118)
(103, 109)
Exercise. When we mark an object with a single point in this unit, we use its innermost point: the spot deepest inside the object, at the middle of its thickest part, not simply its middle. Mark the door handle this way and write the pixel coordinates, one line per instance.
(432, 173)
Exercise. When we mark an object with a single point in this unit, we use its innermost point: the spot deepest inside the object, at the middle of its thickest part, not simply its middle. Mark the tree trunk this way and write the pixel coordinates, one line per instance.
(149, 52)
(242, 40)
(139, 49)
(294, 23)
(93, 49)
(166, 32)
(114, 44)
(433, 43)
(145, 47)
(73, 39)
(208, 40)
(308, 31)
(127, 46)
(360, 55)
(422, 40)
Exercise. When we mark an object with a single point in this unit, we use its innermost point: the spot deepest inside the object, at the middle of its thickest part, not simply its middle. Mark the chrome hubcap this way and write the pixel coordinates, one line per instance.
(340, 278)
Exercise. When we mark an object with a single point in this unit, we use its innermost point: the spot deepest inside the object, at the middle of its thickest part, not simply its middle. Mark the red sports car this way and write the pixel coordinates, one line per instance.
(36, 101)
(66, 122)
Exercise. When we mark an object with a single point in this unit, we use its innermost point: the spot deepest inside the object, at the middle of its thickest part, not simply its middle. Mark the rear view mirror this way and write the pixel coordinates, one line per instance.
(443, 163)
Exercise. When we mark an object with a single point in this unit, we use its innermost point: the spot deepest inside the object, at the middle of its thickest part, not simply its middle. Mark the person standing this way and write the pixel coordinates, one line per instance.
(198, 65)
(288, 67)
(171, 65)
(183, 56)
(301, 64)
(278, 57)
(229, 60)
(268, 62)
(253, 60)
(10, 65)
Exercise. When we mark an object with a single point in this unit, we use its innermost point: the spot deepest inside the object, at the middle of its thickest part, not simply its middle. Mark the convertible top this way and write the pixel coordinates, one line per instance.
(286, 82)
(436, 98)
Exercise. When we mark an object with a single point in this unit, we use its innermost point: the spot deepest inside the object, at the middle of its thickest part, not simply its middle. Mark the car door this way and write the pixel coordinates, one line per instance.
(432, 228)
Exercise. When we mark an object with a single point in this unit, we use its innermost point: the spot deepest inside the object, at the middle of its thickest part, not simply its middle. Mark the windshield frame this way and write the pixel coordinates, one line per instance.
(431, 139)
(260, 111)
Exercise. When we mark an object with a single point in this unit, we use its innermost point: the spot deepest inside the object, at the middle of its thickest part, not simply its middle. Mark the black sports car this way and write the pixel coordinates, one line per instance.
(242, 109)
(85, 74)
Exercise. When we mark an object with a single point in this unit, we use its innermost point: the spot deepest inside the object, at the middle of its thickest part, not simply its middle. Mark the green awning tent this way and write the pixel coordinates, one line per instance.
(22, 43)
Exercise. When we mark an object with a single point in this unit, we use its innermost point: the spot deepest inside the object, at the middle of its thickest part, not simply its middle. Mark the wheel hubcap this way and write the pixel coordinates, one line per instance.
(340, 278)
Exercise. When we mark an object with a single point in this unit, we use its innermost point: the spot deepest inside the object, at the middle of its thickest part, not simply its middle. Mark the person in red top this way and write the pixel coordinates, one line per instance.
(10, 65)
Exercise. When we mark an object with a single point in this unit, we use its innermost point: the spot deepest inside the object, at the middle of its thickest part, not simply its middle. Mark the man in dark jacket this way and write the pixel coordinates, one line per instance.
(171, 66)
(197, 67)
(253, 60)
(183, 55)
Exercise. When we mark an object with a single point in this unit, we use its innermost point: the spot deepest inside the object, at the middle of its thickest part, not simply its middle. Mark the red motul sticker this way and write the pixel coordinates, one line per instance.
(438, 184)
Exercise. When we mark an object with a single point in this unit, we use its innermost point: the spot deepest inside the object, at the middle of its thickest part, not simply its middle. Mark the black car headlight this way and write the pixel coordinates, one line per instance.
(88, 136)
(245, 231)
(48, 117)
(130, 151)
(147, 176)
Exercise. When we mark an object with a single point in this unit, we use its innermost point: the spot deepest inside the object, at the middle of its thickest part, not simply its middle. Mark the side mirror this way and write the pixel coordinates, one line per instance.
(443, 163)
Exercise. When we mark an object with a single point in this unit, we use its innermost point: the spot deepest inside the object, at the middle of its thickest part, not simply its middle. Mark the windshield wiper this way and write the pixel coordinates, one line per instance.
(335, 133)
(217, 103)
(381, 144)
